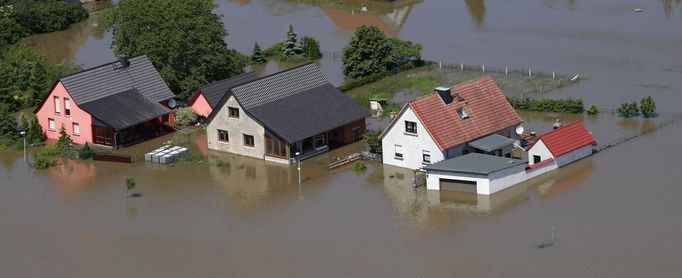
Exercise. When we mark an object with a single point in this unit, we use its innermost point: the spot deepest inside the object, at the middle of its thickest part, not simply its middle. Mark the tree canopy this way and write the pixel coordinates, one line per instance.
(183, 38)
(371, 52)
(20, 18)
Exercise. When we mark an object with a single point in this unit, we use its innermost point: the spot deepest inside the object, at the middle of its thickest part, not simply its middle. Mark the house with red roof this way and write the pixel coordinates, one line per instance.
(473, 117)
(563, 145)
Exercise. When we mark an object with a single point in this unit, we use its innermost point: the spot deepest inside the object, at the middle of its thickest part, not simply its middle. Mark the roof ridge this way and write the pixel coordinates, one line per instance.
(229, 78)
(278, 73)
(560, 128)
(99, 66)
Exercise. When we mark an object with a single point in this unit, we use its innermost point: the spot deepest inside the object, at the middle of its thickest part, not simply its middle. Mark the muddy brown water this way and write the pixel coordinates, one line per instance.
(616, 213)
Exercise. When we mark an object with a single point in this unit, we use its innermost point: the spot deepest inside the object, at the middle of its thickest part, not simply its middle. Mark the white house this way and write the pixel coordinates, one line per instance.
(563, 145)
(486, 174)
(471, 117)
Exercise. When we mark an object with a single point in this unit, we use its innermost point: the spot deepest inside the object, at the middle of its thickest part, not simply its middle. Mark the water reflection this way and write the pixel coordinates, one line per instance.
(72, 176)
(669, 6)
(477, 11)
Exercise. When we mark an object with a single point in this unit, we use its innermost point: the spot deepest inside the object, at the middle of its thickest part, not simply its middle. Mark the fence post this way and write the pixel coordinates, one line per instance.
(461, 66)
(440, 64)
(483, 68)
(506, 71)
(529, 73)
(553, 76)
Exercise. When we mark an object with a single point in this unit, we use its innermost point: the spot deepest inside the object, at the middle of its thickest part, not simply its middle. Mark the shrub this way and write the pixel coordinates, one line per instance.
(185, 116)
(359, 166)
(354, 83)
(46, 157)
(648, 106)
(257, 57)
(63, 144)
(311, 48)
(373, 142)
(592, 110)
(35, 135)
(548, 105)
(85, 152)
(628, 109)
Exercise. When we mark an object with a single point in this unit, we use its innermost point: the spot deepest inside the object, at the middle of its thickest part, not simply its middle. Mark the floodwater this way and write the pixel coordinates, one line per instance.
(615, 214)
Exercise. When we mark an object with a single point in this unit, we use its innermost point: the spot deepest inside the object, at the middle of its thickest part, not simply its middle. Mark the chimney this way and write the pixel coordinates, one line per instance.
(444, 94)
(124, 61)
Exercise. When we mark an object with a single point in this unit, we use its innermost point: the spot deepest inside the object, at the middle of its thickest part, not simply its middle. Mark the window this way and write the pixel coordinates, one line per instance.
(320, 141)
(248, 141)
(410, 127)
(399, 152)
(57, 106)
(223, 136)
(67, 107)
(426, 157)
(462, 114)
(76, 129)
(536, 159)
(51, 125)
(234, 112)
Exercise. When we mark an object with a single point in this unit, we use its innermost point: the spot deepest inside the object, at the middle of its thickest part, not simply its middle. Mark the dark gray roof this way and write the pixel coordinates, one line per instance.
(279, 85)
(124, 109)
(295, 104)
(308, 113)
(215, 91)
(475, 163)
(111, 78)
(491, 142)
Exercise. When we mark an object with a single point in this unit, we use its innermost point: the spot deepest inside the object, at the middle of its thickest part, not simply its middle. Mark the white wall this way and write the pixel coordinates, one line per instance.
(412, 145)
(433, 179)
(236, 129)
(574, 155)
(504, 179)
(539, 149)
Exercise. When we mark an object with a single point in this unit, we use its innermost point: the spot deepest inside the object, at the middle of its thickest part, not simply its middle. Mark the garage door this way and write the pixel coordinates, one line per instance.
(458, 185)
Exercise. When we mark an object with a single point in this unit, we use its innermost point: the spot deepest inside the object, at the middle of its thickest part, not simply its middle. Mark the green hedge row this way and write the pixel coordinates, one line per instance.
(548, 105)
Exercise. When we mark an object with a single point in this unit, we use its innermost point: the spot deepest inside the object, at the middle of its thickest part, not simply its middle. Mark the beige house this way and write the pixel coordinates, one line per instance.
(275, 117)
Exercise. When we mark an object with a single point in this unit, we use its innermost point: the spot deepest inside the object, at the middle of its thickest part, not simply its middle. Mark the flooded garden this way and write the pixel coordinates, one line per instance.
(219, 214)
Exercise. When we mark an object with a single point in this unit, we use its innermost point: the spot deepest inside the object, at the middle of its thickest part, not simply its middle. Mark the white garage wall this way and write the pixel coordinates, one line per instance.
(574, 155)
(433, 179)
(506, 178)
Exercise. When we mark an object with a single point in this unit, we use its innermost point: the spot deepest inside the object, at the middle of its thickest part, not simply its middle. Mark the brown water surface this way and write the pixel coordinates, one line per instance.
(616, 214)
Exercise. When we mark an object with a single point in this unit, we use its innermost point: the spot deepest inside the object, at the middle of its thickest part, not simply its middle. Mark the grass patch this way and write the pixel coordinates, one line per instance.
(192, 158)
(422, 80)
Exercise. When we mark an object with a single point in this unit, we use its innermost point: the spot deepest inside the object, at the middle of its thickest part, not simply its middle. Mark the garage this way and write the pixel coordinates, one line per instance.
(458, 185)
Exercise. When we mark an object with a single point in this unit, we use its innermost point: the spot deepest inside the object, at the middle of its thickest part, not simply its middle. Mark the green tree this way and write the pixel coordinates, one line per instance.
(20, 18)
(257, 57)
(373, 142)
(185, 116)
(593, 110)
(85, 152)
(8, 126)
(183, 38)
(130, 184)
(311, 48)
(35, 134)
(648, 106)
(64, 141)
(404, 54)
(367, 52)
(291, 47)
(628, 109)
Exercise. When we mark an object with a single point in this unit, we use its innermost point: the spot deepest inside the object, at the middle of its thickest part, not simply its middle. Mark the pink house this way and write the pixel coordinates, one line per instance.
(115, 104)
(204, 100)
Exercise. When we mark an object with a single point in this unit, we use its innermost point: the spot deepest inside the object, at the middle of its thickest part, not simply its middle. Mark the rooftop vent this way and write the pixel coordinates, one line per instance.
(444, 94)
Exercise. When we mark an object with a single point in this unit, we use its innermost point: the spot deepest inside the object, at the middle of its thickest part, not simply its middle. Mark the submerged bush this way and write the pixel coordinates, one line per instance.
(85, 152)
(648, 106)
(359, 166)
(592, 110)
(185, 116)
(373, 142)
(548, 105)
(628, 109)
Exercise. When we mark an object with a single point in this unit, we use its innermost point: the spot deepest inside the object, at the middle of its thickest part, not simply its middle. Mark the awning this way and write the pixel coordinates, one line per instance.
(491, 143)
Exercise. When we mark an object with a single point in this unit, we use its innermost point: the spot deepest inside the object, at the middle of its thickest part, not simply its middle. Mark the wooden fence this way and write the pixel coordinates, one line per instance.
(111, 157)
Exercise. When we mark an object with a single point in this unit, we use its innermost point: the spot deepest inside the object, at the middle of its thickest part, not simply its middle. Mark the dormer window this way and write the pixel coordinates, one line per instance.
(462, 113)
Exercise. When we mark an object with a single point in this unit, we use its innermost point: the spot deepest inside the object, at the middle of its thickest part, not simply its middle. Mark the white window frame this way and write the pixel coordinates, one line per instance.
(51, 124)
(57, 106)
(76, 128)
(67, 107)
(426, 153)
(399, 152)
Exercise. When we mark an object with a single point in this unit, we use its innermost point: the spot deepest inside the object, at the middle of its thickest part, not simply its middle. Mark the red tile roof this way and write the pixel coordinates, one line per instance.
(567, 138)
(488, 110)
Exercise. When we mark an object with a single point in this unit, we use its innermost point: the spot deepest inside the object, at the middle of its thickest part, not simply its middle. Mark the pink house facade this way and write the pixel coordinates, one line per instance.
(205, 100)
(115, 104)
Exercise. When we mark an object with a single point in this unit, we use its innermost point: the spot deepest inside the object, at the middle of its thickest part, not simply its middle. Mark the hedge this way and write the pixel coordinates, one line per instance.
(548, 105)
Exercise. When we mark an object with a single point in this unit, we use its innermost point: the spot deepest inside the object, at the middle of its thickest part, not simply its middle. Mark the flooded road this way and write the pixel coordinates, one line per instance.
(616, 214)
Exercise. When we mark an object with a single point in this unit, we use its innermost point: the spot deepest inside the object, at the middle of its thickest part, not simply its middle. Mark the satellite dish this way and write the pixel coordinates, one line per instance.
(519, 130)
(172, 103)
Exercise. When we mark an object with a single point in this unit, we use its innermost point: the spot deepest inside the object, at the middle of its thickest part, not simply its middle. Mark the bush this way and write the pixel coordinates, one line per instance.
(185, 116)
(257, 57)
(85, 152)
(628, 109)
(359, 166)
(648, 106)
(46, 157)
(548, 105)
(354, 83)
(373, 142)
(592, 110)
(311, 48)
